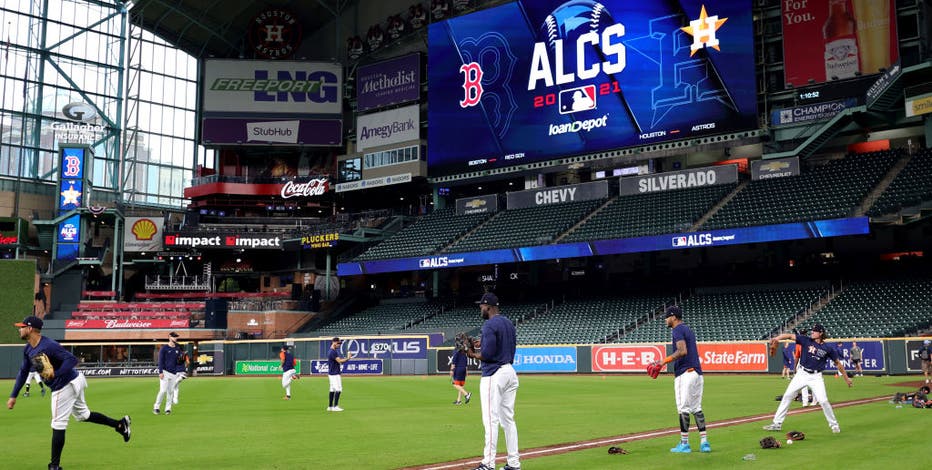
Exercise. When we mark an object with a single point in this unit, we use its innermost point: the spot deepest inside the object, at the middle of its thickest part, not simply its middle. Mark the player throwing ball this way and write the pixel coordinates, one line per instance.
(56, 366)
(815, 353)
(688, 384)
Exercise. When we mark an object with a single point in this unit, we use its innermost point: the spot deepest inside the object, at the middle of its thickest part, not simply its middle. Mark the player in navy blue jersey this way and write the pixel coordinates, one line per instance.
(458, 376)
(67, 385)
(498, 386)
(288, 371)
(171, 370)
(788, 362)
(334, 364)
(815, 353)
(688, 384)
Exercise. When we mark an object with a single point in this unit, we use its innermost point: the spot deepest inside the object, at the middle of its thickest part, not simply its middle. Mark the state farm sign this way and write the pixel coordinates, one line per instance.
(121, 324)
(625, 358)
(315, 187)
(733, 357)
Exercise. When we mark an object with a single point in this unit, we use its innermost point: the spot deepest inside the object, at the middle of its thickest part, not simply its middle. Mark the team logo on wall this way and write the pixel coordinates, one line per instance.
(275, 34)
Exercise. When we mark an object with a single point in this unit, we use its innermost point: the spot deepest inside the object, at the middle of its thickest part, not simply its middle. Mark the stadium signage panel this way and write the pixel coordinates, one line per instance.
(143, 234)
(886, 79)
(487, 204)
(320, 240)
(625, 358)
(683, 179)
(545, 359)
(811, 112)
(378, 348)
(445, 361)
(872, 356)
(918, 105)
(769, 169)
(913, 363)
(536, 80)
(825, 41)
(118, 371)
(314, 187)
(373, 182)
(121, 324)
(262, 367)
(733, 357)
(354, 367)
(388, 127)
(557, 195)
(258, 241)
(272, 86)
(267, 131)
(723, 237)
(388, 82)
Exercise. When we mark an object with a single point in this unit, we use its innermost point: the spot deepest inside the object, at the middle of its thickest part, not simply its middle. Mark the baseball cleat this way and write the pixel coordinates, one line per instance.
(168, 412)
(26, 395)
(772, 427)
(681, 449)
(483, 466)
(124, 428)
(836, 429)
(705, 447)
(457, 402)
(468, 396)
(337, 408)
(509, 467)
(329, 408)
(155, 411)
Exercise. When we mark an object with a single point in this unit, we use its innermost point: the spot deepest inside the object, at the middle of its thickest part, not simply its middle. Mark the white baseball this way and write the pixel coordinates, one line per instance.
(789, 442)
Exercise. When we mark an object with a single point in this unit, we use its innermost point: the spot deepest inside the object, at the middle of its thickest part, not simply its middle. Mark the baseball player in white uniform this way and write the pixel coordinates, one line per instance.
(498, 386)
(814, 355)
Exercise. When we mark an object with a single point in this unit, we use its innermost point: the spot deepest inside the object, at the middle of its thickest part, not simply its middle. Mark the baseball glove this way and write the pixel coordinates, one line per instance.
(653, 370)
(616, 450)
(796, 435)
(43, 366)
(769, 442)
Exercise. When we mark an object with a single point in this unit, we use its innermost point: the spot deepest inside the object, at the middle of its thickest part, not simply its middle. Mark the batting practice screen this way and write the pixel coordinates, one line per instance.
(536, 80)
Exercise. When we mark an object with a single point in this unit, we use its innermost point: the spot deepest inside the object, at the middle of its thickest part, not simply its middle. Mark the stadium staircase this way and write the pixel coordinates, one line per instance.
(718, 206)
(909, 195)
(804, 315)
(618, 336)
(882, 186)
(584, 220)
(822, 134)
(471, 231)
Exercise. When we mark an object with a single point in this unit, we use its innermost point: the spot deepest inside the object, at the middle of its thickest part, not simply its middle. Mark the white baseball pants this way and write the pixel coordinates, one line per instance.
(688, 390)
(336, 383)
(166, 391)
(497, 394)
(68, 402)
(287, 377)
(801, 380)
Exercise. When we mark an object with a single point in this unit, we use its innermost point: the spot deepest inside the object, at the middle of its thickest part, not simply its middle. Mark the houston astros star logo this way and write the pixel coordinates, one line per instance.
(703, 31)
(71, 196)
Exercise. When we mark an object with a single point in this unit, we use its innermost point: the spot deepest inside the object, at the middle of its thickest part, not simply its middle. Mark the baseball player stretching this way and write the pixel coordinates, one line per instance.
(333, 373)
(288, 371)
(498, 386)
(688, 384)
(815, 353)
(171, 370)
(67, 386)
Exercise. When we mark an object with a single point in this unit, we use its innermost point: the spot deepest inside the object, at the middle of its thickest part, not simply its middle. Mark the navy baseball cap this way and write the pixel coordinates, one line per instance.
(489, 299)
(32, 321)
(819, 328)
(173, 334)
(673, 311)
(336, 340)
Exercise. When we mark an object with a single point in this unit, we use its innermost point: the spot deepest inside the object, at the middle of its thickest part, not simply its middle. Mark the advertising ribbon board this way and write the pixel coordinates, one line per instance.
(733, 357)
(353, 367)
(262, 367)
(545, 359)
(633, 358)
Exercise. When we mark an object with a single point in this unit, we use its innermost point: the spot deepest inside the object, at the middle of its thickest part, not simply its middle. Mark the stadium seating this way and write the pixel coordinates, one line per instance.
(829, 190)
(649, 214)
(912, 186)
(877, 309)
(467, 318)
(587, 321)
(424, 237)
(525, 227)
(732, 315)
(383, 318)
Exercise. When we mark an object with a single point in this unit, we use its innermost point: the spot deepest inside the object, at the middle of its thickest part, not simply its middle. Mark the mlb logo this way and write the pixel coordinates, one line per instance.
(577, 99)
(424, 263)
(679, 241)
(786, 116)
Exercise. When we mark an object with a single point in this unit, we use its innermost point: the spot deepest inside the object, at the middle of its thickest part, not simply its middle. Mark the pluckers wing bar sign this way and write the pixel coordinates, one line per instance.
(223, 241)
(320, 240)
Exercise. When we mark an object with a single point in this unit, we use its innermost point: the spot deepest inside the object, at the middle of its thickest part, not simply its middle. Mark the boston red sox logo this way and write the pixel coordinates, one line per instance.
(472, 84)
(72, 166)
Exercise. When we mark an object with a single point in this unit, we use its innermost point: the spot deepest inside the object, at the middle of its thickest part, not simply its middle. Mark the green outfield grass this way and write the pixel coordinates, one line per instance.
(394, 422)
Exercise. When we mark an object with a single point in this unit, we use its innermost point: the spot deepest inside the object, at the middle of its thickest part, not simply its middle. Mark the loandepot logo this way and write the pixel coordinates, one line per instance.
(703, 31)
(578, 126)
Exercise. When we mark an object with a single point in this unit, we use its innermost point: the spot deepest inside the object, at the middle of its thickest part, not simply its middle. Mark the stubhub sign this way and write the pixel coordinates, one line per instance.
(550, 359)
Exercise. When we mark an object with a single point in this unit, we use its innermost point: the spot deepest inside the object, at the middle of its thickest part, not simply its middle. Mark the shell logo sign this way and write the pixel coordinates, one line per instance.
(144, 229)
(142, 234)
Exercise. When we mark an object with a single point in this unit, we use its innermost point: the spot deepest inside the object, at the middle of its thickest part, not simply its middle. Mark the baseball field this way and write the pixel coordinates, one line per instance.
(396, 422)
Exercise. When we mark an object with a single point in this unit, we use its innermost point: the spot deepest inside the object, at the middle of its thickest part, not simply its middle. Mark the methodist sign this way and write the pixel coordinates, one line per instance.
(223, 241)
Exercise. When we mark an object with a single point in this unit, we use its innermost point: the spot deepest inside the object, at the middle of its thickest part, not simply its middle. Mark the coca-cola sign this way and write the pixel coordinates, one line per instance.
(314, 187)
(112, 324)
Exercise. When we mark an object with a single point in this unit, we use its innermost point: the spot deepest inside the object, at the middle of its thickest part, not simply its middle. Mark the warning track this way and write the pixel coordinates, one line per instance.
(583, 445)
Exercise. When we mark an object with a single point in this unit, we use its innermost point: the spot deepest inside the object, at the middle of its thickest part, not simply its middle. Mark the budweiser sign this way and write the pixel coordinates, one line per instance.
(126, 324)
(314, 187)
(5, 240)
